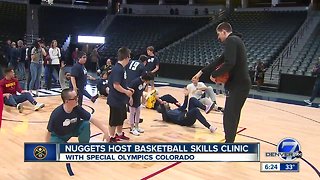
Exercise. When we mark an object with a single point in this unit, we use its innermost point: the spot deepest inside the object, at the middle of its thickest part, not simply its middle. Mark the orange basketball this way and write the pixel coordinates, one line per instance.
(223, 78)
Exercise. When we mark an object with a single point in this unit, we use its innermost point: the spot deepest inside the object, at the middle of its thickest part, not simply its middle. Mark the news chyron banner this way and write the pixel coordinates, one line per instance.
(142, 152)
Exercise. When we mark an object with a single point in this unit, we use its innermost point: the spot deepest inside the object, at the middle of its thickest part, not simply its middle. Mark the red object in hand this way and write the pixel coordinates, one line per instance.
(223, 78)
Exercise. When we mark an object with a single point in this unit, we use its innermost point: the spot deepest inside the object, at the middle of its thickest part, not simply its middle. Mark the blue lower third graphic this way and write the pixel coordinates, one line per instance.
(37, 152)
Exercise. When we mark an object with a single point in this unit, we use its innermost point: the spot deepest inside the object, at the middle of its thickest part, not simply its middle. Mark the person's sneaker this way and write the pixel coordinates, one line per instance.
(221, 109)
(135, 132)
(140, 130)
(141, 120)
(212, 129)
(20, 107)
(94, 98)
(122, 136)
(209, 108)
(113, 140)
(308, 102)
(38, 106)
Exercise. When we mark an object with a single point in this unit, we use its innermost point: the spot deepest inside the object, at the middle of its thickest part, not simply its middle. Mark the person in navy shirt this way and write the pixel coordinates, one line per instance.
(70, 120)
(136, 68)
(79, 78)
(102, 85)
(152, 64)
(118, 96)
(138, 85)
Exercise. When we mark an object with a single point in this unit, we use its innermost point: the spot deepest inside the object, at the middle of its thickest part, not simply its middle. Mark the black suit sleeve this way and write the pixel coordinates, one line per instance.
(230, 57)
(212, 66)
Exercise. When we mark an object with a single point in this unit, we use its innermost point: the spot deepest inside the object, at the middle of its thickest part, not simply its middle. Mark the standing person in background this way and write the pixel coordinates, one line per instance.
(37, 56)
(55, 55)
(7, 52)
(22, 60)
(260, 70)
(14, 57)
(62, 77)
(316, 87)
(152, 64)
(233, 61)
(94, 59)
(79, 78)
(75, 55)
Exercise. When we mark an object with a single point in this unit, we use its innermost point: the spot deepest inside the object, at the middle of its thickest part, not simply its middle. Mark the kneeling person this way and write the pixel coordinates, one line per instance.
(71, 120)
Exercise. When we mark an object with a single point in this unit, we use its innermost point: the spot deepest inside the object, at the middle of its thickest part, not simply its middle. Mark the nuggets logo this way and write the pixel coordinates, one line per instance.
(40, 152)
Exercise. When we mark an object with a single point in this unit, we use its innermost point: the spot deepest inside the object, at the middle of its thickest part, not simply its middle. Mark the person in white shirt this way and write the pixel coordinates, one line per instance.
(54, 62)
(203, 93)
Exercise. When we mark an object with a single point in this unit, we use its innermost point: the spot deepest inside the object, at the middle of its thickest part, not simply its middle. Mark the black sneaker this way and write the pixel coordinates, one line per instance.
(221, 109)
(94, 98)
(140, 120)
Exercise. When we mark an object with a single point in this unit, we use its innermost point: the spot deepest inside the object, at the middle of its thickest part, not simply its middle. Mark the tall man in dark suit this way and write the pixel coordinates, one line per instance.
(233, 61)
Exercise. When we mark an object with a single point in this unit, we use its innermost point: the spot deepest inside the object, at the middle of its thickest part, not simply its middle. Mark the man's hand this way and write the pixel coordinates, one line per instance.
(131, 101)
(76, 90)
(25, 91)
(197, 76)
(7, 95)
(106, 137)
(212, 79)
(129, 92)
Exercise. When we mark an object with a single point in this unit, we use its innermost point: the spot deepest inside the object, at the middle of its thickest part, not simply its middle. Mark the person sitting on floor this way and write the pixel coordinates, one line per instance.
(184, 117)
(10, 86)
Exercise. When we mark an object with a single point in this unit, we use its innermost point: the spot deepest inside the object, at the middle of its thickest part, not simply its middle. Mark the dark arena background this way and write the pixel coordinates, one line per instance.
(282, 40)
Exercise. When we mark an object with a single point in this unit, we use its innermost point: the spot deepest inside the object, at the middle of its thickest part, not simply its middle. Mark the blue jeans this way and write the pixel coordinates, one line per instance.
(14, 99)
(35, 69)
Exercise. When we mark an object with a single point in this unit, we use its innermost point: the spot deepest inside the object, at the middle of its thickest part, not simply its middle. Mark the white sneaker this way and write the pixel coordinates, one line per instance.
(209, 108)
(20, 107)
(134, 132)
(212, 129)
(140, 130)
(308, 102)
(38, 106)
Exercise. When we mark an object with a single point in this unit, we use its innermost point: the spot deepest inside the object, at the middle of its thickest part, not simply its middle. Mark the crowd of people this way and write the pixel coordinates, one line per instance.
(126, 86)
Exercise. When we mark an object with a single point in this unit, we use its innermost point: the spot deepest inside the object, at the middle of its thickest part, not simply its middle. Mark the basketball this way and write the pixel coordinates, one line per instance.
(223, 78)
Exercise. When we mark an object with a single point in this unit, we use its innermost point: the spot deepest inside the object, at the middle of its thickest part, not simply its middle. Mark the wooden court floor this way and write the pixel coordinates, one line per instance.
(261, 121)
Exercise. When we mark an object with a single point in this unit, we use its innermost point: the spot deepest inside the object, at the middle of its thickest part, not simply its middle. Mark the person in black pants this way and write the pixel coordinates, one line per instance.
(233, 61)
(183, 117)
(316, 86)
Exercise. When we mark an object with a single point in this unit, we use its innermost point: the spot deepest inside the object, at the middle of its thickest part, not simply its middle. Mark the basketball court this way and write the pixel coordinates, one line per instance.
(261, 121)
